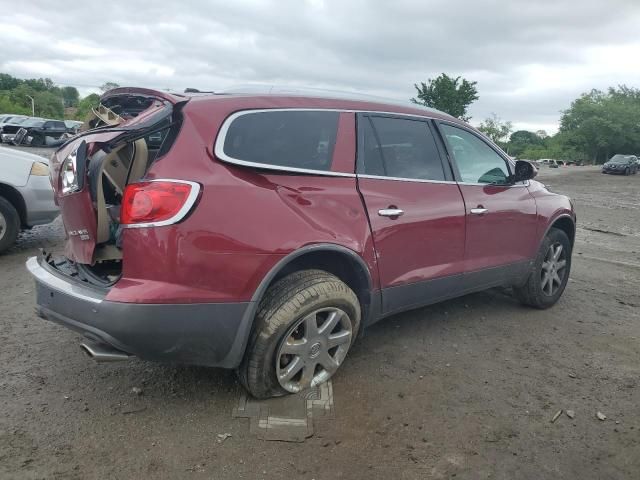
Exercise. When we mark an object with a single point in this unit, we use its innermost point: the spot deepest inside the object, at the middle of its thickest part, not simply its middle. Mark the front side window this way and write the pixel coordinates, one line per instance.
(295, 139)
(477, 161)
(399, 147)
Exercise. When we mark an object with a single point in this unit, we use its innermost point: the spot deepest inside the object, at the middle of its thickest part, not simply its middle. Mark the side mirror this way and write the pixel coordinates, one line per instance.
(524, 171)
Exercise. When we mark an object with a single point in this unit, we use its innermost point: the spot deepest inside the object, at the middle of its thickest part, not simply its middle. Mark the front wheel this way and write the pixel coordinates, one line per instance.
(9, 224)
(627, 171)
(549, 274)
(303, 330)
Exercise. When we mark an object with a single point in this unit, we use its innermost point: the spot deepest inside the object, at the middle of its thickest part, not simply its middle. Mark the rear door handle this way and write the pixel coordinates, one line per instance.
(390, 212)
(479, 211)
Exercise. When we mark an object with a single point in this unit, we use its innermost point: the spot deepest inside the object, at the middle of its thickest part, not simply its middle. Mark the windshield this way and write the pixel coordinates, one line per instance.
(620, 159)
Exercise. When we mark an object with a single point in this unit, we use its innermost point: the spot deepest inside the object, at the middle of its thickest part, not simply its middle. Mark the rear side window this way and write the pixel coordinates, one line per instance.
(295, 139)
(399, 147)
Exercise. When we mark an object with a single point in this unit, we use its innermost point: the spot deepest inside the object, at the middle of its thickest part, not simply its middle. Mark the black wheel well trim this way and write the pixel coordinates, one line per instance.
(14, 197)
(313, 248)
(552, 224)
(242, 339)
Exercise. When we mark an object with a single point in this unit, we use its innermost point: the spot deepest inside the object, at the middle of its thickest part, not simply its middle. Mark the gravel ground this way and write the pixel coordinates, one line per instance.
(463, 389)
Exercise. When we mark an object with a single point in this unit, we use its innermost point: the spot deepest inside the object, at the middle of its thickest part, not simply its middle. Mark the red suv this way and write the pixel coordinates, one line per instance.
(262, 232)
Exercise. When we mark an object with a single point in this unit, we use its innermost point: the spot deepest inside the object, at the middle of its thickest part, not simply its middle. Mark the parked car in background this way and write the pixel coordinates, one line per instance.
(6, 119)
(10, 130)
(621, 165)
(37, 132)
(264, 232)
(73, 126)
(26, 196)
(5, 137)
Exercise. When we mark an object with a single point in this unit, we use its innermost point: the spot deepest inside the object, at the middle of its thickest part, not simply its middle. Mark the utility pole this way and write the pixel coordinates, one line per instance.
(33, 106)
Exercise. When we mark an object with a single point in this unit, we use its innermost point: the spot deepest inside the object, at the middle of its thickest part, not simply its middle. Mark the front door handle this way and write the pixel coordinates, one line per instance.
(479, 210)
(390, 212)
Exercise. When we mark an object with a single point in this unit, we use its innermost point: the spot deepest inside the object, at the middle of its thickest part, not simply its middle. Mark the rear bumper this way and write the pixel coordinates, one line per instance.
(209, 334)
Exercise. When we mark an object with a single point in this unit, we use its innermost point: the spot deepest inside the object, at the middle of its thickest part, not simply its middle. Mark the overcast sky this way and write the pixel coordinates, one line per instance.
(530, 58)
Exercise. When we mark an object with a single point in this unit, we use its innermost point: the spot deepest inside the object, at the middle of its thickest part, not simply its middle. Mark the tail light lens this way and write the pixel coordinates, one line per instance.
(157, 203)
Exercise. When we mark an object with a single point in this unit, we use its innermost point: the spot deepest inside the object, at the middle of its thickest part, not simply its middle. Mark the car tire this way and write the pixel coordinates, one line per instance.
(542, 288)
(284, 338)
(627, 172)
(9, 224)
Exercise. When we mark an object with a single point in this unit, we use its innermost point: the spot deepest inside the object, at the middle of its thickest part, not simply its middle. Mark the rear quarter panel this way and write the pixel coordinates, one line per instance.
(244, 222)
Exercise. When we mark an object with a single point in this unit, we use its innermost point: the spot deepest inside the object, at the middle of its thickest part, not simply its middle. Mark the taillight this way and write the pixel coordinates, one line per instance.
(157, 203)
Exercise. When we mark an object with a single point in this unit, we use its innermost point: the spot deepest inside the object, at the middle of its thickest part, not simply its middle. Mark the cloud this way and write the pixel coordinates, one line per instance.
(530, 59)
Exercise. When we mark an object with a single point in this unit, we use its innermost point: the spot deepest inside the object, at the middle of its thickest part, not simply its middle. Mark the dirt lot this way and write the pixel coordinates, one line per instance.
(464, 389)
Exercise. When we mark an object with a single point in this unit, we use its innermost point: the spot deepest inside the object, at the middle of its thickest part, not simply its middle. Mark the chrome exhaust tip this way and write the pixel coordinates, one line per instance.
(102, 352)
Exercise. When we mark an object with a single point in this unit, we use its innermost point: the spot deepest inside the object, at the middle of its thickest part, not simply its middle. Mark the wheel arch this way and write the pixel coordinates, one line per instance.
(565, 223)
(340, 261)
(14, 197)
(325, 256)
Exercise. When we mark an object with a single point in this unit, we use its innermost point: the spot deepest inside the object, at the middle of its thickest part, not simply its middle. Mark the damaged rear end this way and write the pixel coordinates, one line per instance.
(99, 181)
(127, 188)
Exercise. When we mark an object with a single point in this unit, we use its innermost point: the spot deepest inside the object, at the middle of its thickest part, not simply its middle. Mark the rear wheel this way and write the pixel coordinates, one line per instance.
(303, 330)
(549, 273)
(627, 171)
(9, 224)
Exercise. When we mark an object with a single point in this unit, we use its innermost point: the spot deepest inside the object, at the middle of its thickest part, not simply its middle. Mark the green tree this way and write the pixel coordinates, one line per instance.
(523, 139)
(86, 104)
(542, 134)
(39, 84)
(600, 124)
(495, 128)
(8, 105)
(70, 96)
(108, 86)
(7, 82)
(48, 104)
(448, 94)
(16, 94)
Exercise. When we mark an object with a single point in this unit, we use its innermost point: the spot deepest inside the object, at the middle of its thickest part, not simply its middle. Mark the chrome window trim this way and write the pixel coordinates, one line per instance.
(222, 135)
(451, 182)
(188, 204)
(403, 179)
(218, 148)
(495, 184)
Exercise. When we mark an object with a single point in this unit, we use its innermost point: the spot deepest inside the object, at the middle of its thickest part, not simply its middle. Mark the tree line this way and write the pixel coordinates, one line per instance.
(597, 125)
(43, 98)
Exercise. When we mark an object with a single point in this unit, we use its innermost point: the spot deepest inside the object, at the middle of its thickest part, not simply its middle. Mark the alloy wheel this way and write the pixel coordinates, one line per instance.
(313, 349)
(553, 269)
(3, 226)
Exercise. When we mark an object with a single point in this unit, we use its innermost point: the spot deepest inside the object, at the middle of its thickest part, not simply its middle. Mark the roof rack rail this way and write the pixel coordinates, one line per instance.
(267, 89)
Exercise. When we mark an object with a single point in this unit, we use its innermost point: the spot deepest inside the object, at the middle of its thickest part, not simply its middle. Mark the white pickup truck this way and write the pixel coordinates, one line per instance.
(26, 196)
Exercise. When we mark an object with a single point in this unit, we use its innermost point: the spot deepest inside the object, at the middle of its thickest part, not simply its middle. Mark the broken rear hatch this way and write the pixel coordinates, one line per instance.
(116, 146)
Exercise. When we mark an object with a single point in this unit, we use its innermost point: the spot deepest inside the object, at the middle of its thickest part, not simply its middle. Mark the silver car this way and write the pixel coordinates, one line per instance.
(26, 196)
